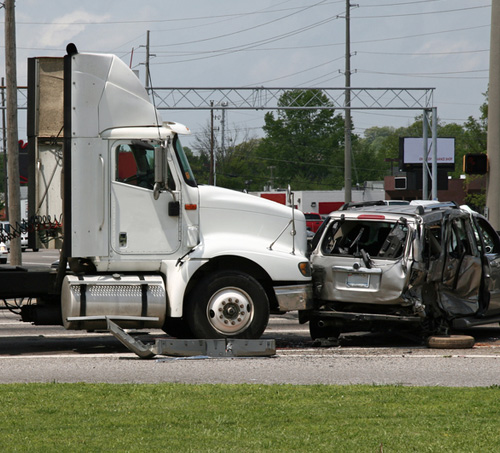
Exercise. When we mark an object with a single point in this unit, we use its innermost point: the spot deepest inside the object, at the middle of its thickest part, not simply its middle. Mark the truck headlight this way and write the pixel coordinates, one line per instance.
(305, 268)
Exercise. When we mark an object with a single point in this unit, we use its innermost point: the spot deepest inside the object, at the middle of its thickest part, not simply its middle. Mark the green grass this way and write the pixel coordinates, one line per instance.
(247, 418)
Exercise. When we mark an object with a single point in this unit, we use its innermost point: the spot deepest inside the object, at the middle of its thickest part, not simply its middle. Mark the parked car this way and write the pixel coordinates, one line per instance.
(5, 230)
(431, 268)
(313, 221)
(3, 253)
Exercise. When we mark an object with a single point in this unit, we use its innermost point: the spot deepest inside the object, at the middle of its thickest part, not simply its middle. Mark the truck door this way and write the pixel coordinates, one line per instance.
(140, 225)
(462, 273)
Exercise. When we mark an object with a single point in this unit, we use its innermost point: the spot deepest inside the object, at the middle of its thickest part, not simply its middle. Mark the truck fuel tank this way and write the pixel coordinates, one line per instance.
(132, 301)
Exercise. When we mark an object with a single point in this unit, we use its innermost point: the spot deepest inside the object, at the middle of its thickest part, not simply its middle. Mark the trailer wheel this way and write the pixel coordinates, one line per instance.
(318, 331)
(228, 304)
(450, 341)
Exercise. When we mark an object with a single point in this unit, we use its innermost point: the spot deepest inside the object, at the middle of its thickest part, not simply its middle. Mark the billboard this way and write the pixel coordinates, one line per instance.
(411, 151)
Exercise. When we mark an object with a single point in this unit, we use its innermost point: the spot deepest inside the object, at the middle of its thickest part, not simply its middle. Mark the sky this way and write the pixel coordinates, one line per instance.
(440, 44)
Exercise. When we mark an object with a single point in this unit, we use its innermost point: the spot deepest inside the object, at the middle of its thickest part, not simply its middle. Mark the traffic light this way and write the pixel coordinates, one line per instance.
(476, 164)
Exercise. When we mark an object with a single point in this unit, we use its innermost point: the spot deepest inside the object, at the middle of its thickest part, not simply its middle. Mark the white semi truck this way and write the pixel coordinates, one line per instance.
(141, 242)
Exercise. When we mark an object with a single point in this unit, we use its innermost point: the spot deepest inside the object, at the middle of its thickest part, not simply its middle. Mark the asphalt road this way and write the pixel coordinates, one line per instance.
(51, 354)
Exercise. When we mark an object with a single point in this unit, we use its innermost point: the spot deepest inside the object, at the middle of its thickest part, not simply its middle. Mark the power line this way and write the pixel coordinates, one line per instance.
(225, 35)
(298, 72)
(266, 10)
(415, 2)
(427, 74)
(424, 54)
(247, 46)
(423, 13)
(251, 46)
(419, 35)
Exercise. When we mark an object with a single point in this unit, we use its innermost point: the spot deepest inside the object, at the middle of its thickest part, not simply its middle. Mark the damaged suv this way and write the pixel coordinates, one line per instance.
(429, 268)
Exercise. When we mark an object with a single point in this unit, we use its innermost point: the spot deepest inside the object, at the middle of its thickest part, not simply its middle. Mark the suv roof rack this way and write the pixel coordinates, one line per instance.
(361, 204)
(422, 208)
(419, 207)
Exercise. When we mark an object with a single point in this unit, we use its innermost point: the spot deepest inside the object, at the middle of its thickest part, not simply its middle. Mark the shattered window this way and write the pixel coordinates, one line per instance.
(378, 239)
(432, 248)
(458, 243)
(489, 235)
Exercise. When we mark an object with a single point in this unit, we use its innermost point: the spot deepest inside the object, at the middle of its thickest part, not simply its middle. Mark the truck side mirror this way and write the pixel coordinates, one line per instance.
(159, 165)
(159, 171)
(161, 174)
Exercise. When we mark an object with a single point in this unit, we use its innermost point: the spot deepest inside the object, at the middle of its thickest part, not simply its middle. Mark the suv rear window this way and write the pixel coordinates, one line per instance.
(380, 239)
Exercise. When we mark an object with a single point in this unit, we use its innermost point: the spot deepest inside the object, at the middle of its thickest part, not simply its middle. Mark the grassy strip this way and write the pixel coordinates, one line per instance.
(247, 418)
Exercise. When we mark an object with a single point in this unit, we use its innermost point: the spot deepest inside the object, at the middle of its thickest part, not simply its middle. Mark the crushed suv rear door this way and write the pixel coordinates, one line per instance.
(459, 288)
(489, 244)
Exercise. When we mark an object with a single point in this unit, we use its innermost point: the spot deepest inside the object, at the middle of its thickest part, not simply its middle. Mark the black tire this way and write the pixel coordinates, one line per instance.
(318, 331)
(450, 341)
(227, 304)
(178, 328)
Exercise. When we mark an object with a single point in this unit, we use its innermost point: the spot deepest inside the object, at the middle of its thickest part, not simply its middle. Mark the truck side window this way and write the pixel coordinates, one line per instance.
(135, 164)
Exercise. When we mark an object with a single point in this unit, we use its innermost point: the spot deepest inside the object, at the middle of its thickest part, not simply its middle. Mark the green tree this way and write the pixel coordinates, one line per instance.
(236, 165)
(304, 146)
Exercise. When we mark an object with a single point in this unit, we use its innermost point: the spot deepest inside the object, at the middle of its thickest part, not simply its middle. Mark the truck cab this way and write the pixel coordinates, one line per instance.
(142, 243)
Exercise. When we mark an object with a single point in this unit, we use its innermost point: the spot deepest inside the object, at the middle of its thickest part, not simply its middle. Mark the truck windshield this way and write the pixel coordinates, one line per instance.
(187, 173)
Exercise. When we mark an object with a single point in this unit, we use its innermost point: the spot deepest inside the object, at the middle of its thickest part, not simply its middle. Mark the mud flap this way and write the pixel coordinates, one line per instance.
(191, 348)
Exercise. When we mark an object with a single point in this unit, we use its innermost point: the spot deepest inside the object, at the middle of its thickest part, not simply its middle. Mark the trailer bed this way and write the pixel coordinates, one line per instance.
(26, 281)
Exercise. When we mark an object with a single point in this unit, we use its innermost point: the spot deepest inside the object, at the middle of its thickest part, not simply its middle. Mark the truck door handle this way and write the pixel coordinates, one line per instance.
(103, 197)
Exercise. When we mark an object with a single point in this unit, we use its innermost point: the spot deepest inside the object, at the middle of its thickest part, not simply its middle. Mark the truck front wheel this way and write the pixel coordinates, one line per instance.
(228, 304)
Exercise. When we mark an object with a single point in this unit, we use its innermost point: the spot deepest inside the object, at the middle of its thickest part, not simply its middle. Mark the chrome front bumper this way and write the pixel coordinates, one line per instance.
(294, 297)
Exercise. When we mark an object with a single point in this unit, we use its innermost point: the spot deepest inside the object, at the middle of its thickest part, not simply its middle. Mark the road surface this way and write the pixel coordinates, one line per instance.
(51, 354)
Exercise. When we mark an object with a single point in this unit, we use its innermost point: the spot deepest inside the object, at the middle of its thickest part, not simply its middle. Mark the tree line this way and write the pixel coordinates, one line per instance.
(305, 148)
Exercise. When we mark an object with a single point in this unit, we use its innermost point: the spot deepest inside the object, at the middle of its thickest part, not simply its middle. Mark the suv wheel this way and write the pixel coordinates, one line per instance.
(450, 341)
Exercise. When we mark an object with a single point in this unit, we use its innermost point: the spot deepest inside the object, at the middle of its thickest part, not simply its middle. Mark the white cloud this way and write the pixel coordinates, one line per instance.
(66, 27)
(461, 52)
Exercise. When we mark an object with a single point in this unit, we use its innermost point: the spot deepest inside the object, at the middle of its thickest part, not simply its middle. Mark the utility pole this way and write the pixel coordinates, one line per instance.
(211, 179)
(4, 144)
(12, 132)
(493, 186)
(271, 167)
(223, 129)
(347, 104)
(147, 61)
